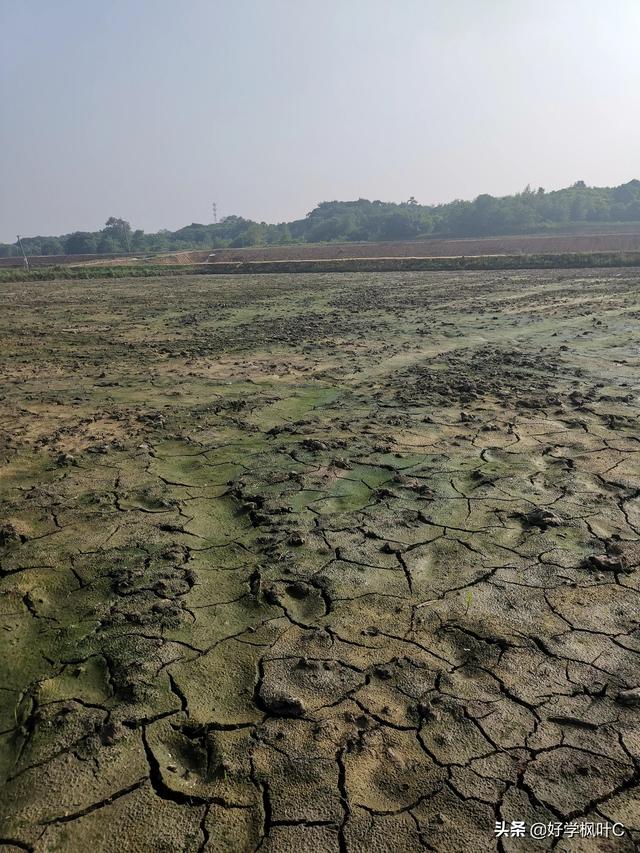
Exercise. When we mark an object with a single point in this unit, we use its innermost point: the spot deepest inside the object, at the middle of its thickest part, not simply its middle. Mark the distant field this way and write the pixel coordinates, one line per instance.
(151, 267)
(620, 239)
(440, 248)
(57, 260)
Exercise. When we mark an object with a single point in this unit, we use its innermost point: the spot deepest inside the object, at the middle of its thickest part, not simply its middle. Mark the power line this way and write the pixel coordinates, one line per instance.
(215, 213)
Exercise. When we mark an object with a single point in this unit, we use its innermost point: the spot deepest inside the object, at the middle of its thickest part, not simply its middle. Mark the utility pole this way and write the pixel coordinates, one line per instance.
(215, 213)
(26, 262)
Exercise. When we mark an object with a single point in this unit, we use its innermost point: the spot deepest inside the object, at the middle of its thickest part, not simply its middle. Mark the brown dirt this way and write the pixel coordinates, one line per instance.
(436, 248)
(324, 564)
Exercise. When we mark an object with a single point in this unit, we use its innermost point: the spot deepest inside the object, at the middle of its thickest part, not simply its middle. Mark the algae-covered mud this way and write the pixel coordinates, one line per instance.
(320, 563)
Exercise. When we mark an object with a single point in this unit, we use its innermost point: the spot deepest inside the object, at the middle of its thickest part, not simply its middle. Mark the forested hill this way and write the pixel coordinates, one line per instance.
(528, 212)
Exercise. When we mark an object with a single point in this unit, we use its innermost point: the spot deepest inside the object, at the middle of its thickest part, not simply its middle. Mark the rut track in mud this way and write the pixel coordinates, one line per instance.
(324, 563)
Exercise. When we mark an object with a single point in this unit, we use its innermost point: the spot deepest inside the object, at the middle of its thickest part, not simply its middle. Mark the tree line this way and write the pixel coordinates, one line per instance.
(530, 211)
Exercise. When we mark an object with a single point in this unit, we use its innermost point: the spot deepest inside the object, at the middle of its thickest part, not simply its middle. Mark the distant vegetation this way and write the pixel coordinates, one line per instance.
(531, 211)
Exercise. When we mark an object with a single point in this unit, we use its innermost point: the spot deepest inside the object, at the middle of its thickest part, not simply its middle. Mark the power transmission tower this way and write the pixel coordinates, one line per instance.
(215, 213)
(26, 262)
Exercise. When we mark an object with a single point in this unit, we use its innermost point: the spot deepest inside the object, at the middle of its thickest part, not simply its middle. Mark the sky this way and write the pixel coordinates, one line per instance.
(151, 110)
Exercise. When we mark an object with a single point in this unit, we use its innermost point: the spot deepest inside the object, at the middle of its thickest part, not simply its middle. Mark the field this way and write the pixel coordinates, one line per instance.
(129, 270)
(342, 562)
(442, 248)
(617, 238)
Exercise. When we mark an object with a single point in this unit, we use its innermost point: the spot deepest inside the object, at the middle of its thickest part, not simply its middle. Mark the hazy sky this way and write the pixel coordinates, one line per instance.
(152, 109)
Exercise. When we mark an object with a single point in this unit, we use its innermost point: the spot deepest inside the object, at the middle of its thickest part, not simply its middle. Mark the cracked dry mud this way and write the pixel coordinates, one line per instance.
(319, 563)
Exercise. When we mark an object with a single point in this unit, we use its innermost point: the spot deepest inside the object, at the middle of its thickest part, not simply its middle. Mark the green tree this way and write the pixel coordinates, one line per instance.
(80, 243)
(138, 242)
(120, 231)
(107, 245)
(51, 246)
(285, 235)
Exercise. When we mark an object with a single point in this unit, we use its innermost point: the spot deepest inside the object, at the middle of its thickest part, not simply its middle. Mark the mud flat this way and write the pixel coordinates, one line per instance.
(319, 563)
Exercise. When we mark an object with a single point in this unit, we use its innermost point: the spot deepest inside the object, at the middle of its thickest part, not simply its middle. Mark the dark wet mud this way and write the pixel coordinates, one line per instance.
(319, 563)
